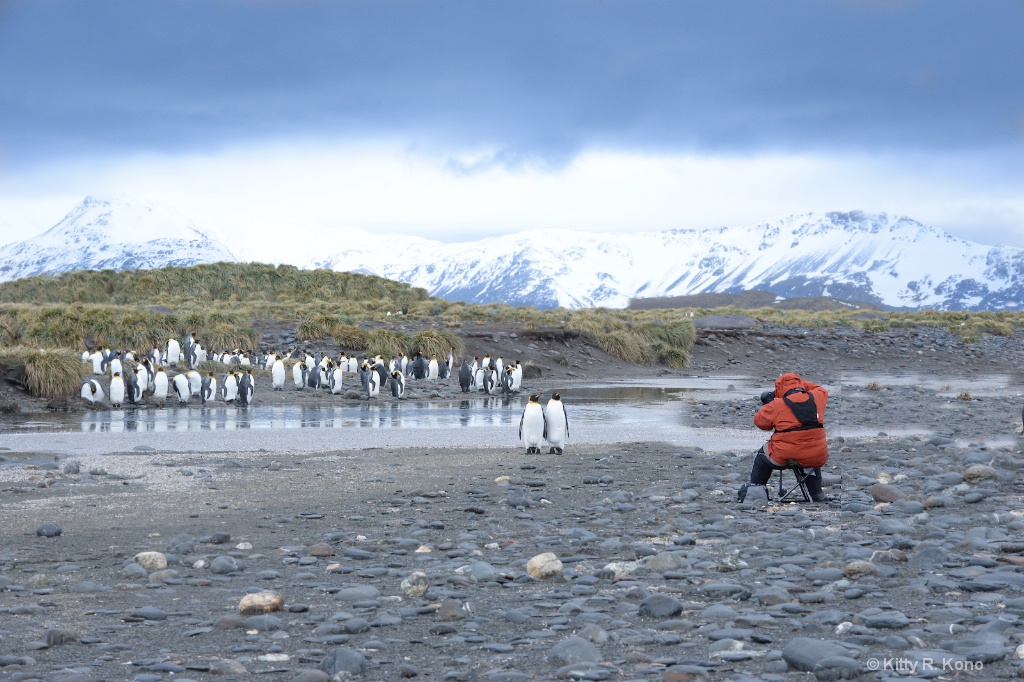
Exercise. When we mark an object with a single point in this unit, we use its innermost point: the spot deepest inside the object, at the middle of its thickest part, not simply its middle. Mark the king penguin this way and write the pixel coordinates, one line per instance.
(117, 390)
(173, 352)
(397, 384)
(132, 390)
(97, 362)
(533, 428)
(181, 388)
(230, 387)
(490, 379)
(92, 391)
(246, 388)
(299, 374)
(558, 423)
(372, 384)
(277, 373)
(507, 380)
(337, 375)
(465, 376)
(432, 369)
(160, 384)
(195, 381)
(114, 364)
(208, 390)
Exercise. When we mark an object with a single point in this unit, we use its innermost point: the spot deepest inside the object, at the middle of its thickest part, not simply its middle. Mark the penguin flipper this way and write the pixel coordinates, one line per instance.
(521, 420)
(545, 427)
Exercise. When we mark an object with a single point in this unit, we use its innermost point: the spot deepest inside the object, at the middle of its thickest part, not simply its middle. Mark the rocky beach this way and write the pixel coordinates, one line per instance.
(309, 554)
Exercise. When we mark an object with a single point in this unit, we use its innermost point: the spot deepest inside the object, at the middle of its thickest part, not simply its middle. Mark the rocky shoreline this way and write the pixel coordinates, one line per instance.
(421, 562)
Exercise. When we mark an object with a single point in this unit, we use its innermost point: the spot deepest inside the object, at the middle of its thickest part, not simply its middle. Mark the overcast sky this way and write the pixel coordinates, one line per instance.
(456, 120)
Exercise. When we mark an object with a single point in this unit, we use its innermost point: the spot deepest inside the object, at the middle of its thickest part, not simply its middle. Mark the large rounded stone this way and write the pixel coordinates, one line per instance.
(544, 566)
(260, 603)
(343, 662)
(415, 584)
(151, 561)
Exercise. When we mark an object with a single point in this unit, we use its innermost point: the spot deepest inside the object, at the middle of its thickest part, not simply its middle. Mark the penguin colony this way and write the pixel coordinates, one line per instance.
(168, 374)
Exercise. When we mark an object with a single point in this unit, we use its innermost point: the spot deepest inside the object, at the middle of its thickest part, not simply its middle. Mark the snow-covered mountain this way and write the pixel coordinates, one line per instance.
(103, 234)
(895, 262)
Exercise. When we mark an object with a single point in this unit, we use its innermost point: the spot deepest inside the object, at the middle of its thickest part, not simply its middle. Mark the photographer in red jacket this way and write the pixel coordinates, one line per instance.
(795, 410)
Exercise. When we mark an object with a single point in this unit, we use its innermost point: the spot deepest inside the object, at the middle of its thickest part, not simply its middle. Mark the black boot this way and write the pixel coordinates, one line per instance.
(813, 482)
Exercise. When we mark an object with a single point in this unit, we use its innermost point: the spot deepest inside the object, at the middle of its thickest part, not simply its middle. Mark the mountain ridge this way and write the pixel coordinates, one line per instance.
(882, 260)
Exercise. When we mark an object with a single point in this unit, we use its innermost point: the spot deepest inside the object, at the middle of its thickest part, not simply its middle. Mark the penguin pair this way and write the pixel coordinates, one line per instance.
(548, 423)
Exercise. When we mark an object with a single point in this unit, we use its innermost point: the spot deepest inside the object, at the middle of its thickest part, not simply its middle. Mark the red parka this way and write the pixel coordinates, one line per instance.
(807, 446)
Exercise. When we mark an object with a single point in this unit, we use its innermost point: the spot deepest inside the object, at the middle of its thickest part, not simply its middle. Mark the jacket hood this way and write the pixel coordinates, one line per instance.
(787, 382)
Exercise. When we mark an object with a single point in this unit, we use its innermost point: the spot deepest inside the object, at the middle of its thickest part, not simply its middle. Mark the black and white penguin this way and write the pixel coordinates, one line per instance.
(277, 373)
(173, 352)
(181, 388)
(195, 381)
(116, 390)
(246, 388)
(150, 366)
(364, 376)
(419, 367)
(490, 379)
(230, 388)
(92, 391)
(532, 425)
(517, 376)
(96, 357)
(465, 376)
(312, 376)
(132, 391)
(432, 368)
(208, 390)
(507, 380)
(160, 384)
(299, 371)
(142, 376)
(557, 424)
(478, 377)
(114, 363)
(372, 384)
(397, 384)
(382, 371)
(337, 376)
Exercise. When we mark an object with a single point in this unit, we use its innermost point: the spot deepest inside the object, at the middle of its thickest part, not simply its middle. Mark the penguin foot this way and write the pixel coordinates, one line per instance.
(552, 450)
(558, 451)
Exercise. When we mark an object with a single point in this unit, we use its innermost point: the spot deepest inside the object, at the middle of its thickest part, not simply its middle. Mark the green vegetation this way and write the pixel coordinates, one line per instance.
(435, 343)
(387, 343)
(224, 304)
(53, 373)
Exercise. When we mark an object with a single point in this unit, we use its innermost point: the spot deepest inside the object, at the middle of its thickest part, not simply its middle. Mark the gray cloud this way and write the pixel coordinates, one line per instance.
(537, 81)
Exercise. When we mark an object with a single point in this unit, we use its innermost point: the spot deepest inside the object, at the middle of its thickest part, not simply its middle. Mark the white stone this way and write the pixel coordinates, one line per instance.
(151, 561)
(544, 566)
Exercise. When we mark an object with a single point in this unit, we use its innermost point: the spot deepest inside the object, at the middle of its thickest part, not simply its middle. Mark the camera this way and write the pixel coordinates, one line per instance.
(767, 397)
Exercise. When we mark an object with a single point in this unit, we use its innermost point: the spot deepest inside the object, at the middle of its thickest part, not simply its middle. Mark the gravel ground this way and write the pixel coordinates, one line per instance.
(394, 557)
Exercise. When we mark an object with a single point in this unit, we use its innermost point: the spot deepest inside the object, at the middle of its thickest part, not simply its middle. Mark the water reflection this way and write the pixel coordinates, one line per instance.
(474, 412)
(471, 412)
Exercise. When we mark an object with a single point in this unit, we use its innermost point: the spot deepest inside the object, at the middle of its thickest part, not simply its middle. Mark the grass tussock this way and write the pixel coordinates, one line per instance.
(46, 373)
(350, 337)
(435, 343)
(387, 343)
